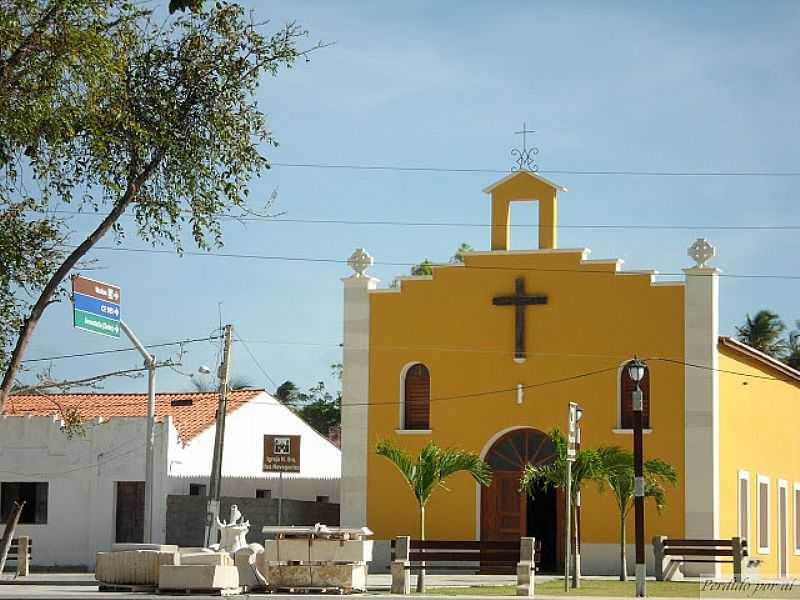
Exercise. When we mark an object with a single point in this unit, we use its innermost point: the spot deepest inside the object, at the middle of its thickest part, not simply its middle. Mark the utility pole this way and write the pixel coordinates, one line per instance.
(574, 414)
(636, 371)
(150, 363)
(215, 482)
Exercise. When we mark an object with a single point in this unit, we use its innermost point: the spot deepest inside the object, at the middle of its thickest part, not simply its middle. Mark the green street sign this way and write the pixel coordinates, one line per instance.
(95, 323)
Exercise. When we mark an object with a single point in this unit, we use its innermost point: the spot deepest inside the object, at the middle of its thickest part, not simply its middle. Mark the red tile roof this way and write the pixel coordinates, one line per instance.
(190, 420)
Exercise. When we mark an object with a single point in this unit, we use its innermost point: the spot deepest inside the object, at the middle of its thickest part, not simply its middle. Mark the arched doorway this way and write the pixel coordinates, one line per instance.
(506, 512)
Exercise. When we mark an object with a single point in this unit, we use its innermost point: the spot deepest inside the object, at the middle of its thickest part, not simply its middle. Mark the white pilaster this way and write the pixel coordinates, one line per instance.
(355, 393)
(701, 406)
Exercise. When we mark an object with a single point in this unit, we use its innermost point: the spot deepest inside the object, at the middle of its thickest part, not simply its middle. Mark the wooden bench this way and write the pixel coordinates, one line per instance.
(482, 557)
(670, 552)
(509, 557)
(20, 552)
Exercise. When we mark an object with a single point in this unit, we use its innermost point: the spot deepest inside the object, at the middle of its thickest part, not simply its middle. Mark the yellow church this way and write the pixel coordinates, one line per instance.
(486, 355)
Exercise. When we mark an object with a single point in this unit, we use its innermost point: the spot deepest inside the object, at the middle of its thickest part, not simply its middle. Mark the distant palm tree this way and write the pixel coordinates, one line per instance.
(793, 348)
(237, 382)
(763, 332)
(618, 475)
(428, 471)
(588, 466)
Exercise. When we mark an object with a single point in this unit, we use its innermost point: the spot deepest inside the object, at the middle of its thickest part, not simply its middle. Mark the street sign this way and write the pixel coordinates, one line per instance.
(572, 432)
(282, 453)
(96, 306)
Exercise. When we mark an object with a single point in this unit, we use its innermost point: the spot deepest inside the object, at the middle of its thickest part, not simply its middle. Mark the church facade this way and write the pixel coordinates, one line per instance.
(486, 355)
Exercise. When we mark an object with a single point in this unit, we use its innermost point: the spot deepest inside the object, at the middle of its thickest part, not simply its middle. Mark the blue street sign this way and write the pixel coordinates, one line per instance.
(95, 306)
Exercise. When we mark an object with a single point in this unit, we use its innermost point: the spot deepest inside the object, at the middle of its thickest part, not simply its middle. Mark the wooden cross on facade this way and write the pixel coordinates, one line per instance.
(519, 301)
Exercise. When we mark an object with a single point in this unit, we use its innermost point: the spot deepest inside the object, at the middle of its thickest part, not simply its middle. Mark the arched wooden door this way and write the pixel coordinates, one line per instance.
(503, 506)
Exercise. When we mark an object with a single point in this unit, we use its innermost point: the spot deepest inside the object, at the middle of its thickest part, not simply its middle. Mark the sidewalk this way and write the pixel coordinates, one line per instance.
(379, 582)
(51, 579)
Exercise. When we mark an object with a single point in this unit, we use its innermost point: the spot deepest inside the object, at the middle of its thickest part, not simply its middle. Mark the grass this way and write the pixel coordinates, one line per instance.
(623, 589)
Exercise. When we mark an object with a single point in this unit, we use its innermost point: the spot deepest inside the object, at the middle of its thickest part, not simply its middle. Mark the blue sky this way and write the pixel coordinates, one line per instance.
(648, 86)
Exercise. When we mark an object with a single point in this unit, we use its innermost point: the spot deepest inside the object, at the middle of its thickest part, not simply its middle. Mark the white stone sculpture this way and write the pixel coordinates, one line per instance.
(233, 534)
(246, 560)
(701, 252)
(360, 261)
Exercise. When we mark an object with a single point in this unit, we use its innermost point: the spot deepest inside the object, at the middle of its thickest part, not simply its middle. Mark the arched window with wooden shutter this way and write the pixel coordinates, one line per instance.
(417, 397)
(626, 388)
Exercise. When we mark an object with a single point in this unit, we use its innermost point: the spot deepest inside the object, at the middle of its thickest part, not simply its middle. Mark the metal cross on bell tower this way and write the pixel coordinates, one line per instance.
(526, 158)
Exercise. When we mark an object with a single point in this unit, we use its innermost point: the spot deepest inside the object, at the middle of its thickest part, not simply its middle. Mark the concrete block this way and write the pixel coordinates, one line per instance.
(270, 551)
(156, 547)
(401, 577)
(194, 550)
(341, 550)
(214, 559)
(526, 549)
(526, 571)
(293, 549)
(288, 575)
(132, 567)
(345, 576)
(198, 577)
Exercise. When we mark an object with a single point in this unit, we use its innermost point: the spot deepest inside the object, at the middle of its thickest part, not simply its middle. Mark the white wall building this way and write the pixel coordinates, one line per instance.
(85, 493)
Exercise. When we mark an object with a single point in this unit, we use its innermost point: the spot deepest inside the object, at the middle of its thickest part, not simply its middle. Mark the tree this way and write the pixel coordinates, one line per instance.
(193, 5)
(588, 467)
(426, 266)
(318, 407)
(618, 472)
(55, 56)
(793, 348)
(287, 393)
(423, 268)
(763, 332)
(429, 470)
(458, 257)
(164, 124)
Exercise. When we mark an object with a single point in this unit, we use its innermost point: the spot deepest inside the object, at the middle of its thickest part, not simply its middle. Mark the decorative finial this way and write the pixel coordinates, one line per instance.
(525, 158)
(701, 252)
(360, 261)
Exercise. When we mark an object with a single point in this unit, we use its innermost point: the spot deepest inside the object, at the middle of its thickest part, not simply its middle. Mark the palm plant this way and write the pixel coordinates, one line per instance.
(428, 471)
(618, 474)
(588, 466)
(763, 332)
(793, 348)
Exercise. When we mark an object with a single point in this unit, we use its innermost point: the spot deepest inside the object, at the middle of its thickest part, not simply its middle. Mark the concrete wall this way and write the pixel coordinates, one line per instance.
(759, 410)
(430, 319)
(295, 488)
(186, 516)
(81, 474)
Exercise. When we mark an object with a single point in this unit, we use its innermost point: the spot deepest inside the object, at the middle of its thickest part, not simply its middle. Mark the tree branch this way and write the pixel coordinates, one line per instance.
(44, 22)
(61, 274)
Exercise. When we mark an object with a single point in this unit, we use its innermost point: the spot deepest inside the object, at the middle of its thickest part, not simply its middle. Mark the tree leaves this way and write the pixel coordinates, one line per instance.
(99, 106)
(433, 466)
(763, 332)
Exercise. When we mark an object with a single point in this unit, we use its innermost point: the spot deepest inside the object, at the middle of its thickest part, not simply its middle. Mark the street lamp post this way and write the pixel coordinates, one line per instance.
(636, 371)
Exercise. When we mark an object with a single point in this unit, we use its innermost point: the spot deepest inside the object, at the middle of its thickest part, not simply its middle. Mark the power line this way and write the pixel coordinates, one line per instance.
(411, 264)
(255, 360)
(616, 173)
(577, 376)
(115, 350)
(397, 223)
